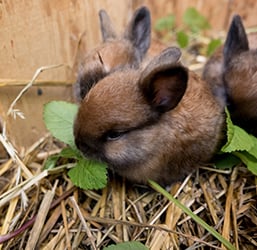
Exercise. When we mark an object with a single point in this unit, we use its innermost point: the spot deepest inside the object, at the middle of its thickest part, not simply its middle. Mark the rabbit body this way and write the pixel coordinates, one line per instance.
(160, 122)
(231, 73)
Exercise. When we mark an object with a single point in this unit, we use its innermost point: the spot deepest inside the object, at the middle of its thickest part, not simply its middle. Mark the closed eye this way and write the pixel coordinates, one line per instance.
(100, 58)
(114, 135)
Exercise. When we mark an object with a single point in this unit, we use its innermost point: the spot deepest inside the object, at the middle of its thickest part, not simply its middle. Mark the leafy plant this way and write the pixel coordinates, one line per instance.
(166, 23)
(241, 145)
(86, 174)
(193, 23)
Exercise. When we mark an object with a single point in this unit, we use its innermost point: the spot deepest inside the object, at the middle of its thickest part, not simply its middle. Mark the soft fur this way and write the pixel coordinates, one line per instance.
(231, 73)
(160, 122)
(240, 77)
(115, 51)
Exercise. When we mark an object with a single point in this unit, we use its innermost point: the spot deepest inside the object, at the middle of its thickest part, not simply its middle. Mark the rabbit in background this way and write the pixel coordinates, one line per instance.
(159, 121)
(240, 77)
(115, 51)
(231, 73)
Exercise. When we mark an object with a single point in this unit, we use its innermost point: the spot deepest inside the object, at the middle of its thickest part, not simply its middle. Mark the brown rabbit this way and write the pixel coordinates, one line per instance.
(158, 123)
(115, 51)
(214, 68)
(240, 77)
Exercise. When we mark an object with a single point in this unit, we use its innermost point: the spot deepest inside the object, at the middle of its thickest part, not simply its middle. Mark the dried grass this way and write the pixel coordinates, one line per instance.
(41, 209)
(57, 215)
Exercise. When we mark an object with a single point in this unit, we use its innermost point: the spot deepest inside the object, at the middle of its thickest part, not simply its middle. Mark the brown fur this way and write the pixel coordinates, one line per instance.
(231, 73)
(158, 123)
(115, 51)
(240, 76)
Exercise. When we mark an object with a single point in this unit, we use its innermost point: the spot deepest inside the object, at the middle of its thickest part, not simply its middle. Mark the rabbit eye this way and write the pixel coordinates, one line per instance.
(114, 135)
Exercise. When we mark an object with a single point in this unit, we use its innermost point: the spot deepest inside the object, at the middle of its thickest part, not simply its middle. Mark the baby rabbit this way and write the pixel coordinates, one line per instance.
(231, 73)
(159, 122)
(115, 51)
(240, 77)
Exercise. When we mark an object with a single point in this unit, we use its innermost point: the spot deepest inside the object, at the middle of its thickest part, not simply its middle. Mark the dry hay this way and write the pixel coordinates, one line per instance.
(47, 212)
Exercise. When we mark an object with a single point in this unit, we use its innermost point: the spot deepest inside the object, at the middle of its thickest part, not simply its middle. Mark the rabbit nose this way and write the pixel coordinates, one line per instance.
(81, 144)
(85, 146)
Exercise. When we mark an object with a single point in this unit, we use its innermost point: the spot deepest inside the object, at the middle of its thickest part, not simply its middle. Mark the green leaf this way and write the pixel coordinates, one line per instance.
(70, 153)
(226, 161)
(51, 161)
(59, 117)
(241, 144)
(182, 39)
(89, 174)
(165, 24)
(131, 245)
(237, 138)
(249, 160)
(195, 21)
(213, 45)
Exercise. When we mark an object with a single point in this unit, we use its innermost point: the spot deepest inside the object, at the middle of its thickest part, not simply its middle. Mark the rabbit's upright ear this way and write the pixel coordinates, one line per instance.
(236, 41)
(106, 26)
(164, 81)
(138, 30)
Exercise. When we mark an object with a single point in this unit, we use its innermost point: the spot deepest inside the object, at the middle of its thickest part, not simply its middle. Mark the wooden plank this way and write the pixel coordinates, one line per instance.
(36, 33)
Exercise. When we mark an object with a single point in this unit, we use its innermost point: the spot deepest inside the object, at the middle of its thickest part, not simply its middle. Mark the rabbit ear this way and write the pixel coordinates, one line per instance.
(236, 40)
(164, 81)
(106, 25)
(138, 30)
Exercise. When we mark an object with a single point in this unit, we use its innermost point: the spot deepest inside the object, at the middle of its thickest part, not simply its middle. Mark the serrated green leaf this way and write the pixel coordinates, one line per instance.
(165, 24)
(89, 174)
(130, 245)
(253, 150)
(241, 144)
(59, 117)
(182, 39)
(213, 45)
(70, 153)
(237, 138)
(195, 20)
(241, 141)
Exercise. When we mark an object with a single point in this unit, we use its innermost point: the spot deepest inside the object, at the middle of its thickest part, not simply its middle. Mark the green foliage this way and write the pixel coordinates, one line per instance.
(87, 174)
(165, 24)
(182, 39)
(59, 117)
(226, 161)
(213, 45)
(132, 245)
(241, 144)
(195, 21)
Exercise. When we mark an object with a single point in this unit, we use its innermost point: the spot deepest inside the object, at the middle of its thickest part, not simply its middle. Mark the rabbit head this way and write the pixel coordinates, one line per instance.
(160, 122)
(115, 51)
(240, 77)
